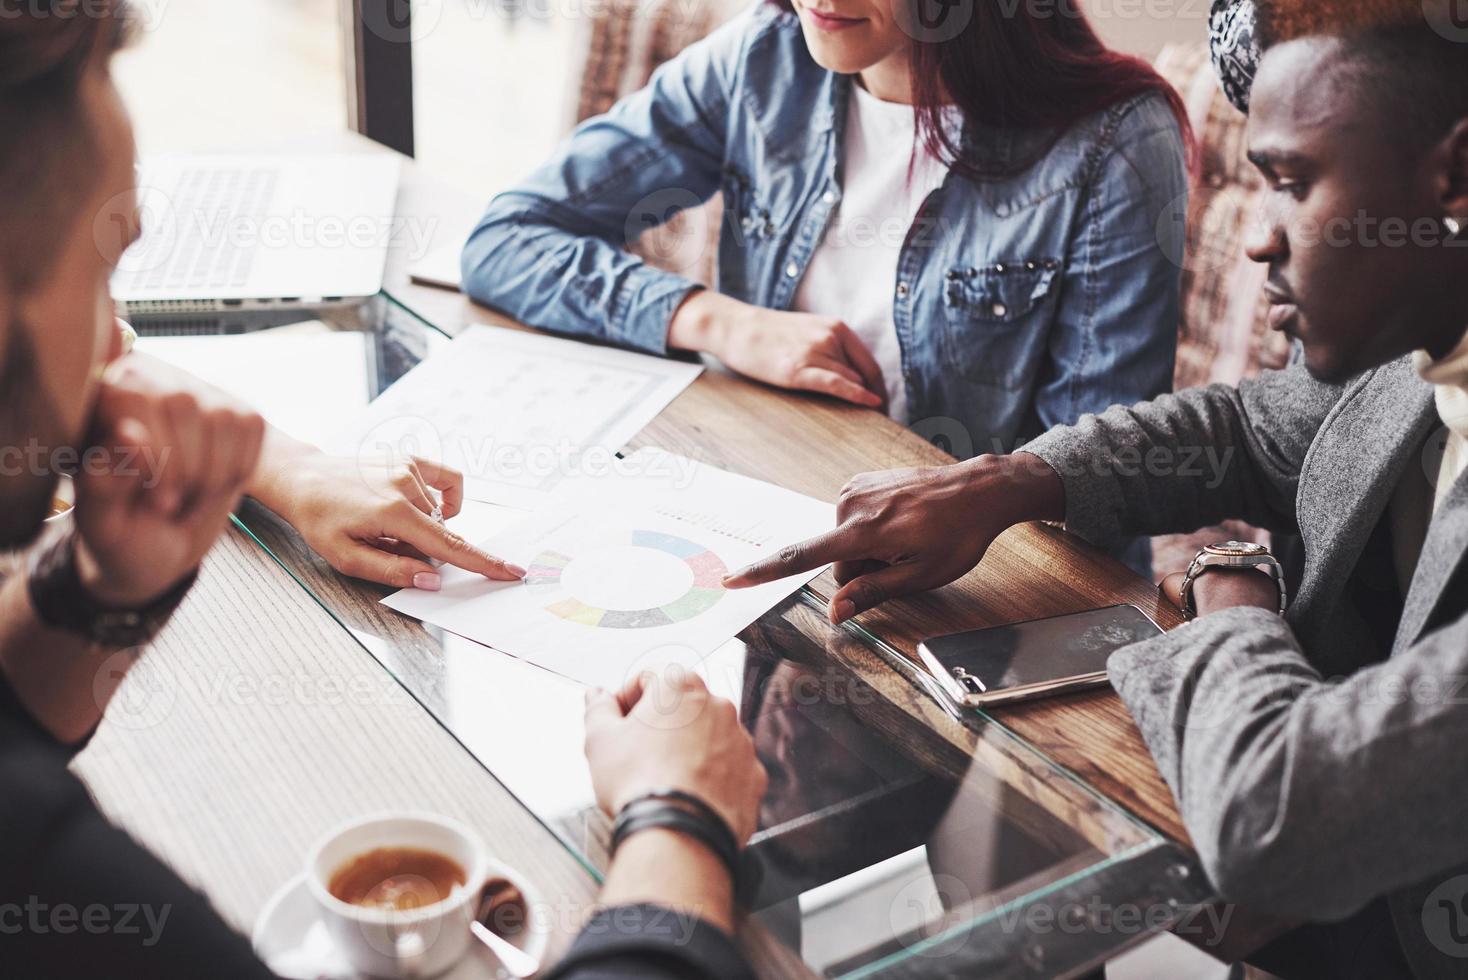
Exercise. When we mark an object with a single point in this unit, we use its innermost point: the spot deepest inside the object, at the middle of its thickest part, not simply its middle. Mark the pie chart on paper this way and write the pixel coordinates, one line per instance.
(649, 579)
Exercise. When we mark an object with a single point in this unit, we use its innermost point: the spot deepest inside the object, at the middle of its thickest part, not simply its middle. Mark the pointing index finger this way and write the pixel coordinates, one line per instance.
(437, 541)
(840, 544)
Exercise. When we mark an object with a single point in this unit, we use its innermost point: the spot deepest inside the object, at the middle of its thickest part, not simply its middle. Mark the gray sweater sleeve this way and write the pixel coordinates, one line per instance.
(1305, 797)
(1184, 461)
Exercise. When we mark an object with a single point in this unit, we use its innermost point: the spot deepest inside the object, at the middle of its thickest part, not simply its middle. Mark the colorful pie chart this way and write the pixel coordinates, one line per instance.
(549, 568)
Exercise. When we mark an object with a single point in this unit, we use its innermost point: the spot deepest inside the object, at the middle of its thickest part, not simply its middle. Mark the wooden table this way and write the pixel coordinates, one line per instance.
(255, 723)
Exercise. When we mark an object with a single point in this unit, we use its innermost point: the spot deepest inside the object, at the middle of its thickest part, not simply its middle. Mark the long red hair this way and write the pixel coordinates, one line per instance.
(1019, 64)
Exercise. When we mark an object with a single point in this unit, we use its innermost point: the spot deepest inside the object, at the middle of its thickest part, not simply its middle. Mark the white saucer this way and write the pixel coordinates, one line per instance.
(292, 940)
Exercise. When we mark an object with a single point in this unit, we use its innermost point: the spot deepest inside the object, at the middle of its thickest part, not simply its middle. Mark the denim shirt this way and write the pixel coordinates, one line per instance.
(1021, 300)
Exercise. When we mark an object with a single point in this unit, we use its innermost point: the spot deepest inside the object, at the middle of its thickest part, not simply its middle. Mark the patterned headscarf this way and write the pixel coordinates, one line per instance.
(1233, 39)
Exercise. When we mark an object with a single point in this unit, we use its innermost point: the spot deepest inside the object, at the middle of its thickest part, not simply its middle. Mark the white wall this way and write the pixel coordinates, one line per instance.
(1142, 27)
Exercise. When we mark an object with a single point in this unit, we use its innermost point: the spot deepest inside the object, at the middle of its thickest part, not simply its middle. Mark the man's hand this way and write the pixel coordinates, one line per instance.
(666, 731)
(156, 487)
(907, 531)
(1225, 588)
(803, 351)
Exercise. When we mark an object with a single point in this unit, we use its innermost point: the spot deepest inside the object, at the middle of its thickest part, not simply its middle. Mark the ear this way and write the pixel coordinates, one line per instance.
(1451, 179)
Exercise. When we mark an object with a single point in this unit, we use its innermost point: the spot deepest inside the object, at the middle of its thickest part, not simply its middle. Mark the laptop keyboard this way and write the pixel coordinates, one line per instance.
(215, 219)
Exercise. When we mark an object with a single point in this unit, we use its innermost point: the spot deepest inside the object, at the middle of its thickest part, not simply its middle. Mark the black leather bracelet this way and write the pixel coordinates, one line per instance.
(685, 800)
(62, 602)
(681, 813)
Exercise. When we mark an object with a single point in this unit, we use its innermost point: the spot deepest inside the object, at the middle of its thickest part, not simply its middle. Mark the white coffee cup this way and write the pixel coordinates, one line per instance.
(65, 493)
(401, 945)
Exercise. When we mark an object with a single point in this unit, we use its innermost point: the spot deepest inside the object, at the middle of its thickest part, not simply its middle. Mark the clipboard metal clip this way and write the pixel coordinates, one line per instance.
(967, 681)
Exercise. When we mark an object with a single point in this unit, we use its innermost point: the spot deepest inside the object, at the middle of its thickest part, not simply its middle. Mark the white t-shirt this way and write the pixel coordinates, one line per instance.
(853, 272)
(1415, 500)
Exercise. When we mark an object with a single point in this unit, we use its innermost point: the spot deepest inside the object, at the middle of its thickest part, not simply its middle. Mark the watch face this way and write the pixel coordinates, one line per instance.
(1236, 549)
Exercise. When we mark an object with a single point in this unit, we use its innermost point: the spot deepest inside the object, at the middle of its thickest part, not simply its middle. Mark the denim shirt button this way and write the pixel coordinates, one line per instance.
(792, 270)
(829, 197)
(1000, 309)
(999, 268)
(902, 289)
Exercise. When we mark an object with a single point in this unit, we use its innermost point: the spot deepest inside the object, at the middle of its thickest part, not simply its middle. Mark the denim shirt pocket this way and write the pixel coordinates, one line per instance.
(748, 218)
(748, 228)
(997, 317)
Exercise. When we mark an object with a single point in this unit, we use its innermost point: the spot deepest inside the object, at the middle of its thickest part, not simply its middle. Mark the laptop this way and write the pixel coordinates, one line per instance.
(258, 232)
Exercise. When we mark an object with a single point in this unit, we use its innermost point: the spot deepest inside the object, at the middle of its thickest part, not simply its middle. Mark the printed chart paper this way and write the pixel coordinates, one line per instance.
(624, 571)
(517, 413)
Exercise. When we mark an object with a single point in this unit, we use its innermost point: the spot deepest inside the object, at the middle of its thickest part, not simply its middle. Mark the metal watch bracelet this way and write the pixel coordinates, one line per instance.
(1231, 555)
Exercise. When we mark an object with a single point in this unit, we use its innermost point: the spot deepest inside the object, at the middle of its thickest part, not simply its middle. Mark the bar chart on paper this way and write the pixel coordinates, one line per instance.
(622, 572)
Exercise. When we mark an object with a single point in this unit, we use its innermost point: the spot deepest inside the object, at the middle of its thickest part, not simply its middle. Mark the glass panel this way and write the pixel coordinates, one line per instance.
(891, 831)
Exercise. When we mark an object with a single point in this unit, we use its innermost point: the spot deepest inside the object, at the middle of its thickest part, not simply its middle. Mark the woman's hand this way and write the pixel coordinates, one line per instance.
(666, 731)
(372, 519)
(804, 351)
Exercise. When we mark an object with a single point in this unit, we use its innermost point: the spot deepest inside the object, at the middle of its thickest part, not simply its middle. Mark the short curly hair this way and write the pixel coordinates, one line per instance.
(1396, 56)
(1289, 20)
(46, 47)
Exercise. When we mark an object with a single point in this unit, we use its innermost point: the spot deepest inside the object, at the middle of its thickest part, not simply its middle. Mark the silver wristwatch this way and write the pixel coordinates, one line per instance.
(1232, 554)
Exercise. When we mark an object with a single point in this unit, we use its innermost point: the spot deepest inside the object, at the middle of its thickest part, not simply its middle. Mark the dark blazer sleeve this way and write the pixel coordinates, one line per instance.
(79, 897)
(649, 942)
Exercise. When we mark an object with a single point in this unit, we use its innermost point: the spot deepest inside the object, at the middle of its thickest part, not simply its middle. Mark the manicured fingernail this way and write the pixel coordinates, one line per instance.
(844, 610)
(427, 581)
(515, 570)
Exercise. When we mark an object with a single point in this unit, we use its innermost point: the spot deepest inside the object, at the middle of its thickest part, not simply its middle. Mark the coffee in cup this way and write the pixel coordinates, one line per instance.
(397, 892)
(399, 879)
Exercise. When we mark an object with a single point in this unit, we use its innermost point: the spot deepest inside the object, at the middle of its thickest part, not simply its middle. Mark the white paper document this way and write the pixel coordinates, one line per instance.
(305, 379)
(518, 412)
(624, 570)
(439, 267)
